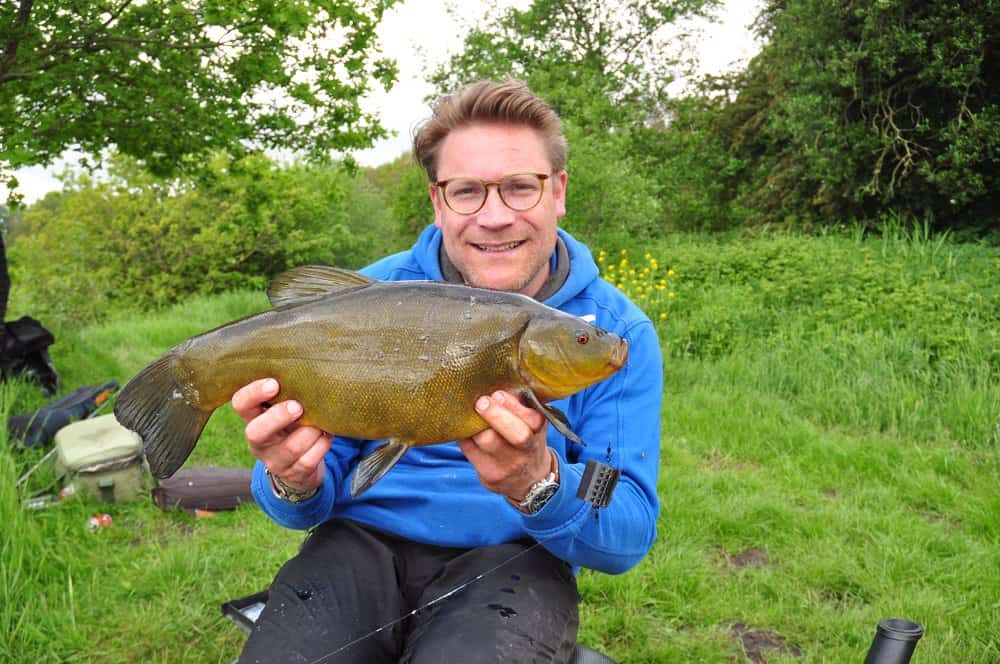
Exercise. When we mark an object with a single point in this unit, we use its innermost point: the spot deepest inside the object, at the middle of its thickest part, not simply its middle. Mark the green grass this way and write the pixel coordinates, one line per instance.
(831, 412)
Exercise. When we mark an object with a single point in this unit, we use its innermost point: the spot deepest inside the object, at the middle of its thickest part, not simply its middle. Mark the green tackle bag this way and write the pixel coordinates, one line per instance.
(100, 458)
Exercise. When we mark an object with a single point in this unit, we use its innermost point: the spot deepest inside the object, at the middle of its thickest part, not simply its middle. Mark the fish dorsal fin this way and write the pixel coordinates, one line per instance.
(311, 280)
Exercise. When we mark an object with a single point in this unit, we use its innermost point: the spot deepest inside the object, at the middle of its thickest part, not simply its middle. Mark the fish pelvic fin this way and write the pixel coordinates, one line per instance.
(311, 280)
(153, 405)
(375, 465)
(555, 416)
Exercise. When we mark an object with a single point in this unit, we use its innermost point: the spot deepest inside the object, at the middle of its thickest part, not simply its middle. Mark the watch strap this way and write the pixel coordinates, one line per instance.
(289, 493)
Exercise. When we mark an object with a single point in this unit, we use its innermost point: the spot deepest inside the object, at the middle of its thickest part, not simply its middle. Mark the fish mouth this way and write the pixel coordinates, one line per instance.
(497, 247)
(619, 355)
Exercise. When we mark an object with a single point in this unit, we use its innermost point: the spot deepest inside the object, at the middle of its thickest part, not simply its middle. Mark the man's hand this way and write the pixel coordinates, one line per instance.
(512, 454)
(290, 452)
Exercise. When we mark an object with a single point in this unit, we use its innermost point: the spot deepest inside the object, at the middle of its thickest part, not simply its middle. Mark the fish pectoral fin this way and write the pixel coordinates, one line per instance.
(375, 465)
(555, 416)
(311, 280)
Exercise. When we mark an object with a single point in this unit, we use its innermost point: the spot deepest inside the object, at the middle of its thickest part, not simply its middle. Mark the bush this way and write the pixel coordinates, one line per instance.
(136, 240)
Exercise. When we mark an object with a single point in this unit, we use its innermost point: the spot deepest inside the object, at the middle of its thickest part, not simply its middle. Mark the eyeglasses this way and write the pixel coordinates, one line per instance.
(519, 192)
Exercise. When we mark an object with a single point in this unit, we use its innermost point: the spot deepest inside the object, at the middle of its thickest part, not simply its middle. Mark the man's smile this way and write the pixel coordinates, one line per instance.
(494, 248)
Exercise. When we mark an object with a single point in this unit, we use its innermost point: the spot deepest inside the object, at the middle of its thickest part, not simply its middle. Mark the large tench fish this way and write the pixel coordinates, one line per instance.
(403, 361)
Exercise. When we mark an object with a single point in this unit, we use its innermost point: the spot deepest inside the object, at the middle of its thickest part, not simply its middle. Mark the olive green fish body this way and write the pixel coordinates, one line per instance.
(395, 360)
(403, 361)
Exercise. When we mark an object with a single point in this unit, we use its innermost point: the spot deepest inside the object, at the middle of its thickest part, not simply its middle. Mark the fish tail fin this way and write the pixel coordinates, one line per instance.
(375, 465)
(153, 405)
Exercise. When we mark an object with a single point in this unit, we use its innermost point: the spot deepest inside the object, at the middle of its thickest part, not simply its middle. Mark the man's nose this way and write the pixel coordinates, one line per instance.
(494, 211)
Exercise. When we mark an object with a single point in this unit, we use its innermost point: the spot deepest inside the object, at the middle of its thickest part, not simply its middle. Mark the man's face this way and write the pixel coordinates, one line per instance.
(498, 247)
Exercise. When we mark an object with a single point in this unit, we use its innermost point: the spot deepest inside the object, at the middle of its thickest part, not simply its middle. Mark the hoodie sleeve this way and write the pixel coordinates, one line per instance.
(621, 420)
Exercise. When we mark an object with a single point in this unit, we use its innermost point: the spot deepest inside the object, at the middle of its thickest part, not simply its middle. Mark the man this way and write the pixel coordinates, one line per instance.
(446, 514)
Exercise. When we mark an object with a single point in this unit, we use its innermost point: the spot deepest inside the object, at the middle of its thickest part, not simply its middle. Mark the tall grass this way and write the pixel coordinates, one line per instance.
(831, 428)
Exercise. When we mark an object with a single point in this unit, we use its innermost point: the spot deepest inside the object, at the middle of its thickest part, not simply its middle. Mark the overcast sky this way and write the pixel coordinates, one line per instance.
(420, 34)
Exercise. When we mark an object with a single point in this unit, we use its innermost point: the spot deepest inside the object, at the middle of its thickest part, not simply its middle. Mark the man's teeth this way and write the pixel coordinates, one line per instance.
(497, 247)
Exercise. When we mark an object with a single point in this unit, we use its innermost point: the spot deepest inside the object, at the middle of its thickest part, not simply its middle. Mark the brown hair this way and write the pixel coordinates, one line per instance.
(506, 102)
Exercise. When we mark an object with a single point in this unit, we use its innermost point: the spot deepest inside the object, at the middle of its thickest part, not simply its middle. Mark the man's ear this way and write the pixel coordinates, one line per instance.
(436, 202)
(559, 193)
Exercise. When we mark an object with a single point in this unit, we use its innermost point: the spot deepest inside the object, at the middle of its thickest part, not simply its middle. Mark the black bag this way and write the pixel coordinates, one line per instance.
(39, 427)
(24, 351)
(210, 488)
(24, 343)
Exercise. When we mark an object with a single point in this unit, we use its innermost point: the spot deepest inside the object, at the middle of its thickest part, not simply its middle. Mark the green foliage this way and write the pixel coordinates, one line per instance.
(894, 334)
(604, 68)
(606, 193)
(599, 64)
(404, 185)
(170, 81)
(9, 217)
(694, 171)
(853, 108)
(138, 240)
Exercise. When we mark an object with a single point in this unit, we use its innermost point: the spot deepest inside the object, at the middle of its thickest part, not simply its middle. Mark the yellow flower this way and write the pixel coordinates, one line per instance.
(662, 316)
(670, 294)
(671, 273)
(624, 251)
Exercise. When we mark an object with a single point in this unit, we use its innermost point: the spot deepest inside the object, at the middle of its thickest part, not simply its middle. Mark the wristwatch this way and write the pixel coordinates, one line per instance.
(539, 494)
(289, 493)
(541, 491)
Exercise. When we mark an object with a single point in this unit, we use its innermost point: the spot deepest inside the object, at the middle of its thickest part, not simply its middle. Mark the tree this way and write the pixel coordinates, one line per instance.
(168, 81)
(852, 109)
(598, 63)
(605, 68)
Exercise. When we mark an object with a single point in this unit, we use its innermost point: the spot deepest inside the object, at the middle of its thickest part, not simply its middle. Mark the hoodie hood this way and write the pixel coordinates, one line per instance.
(583, 270)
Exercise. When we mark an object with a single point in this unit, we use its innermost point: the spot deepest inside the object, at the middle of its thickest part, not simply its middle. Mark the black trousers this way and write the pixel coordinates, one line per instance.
(349, 580)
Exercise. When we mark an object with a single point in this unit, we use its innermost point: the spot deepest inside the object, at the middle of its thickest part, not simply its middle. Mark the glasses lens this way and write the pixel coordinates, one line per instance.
(464, 196)
(521, 192)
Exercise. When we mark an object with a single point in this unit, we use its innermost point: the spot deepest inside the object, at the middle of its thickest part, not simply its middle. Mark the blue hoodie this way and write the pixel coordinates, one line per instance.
(433, 495)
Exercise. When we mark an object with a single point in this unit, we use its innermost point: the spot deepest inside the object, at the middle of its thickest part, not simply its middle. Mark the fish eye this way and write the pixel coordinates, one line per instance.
(582, 338)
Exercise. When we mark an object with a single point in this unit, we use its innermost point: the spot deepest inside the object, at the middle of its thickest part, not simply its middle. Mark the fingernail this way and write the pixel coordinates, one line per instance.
(271, 386)
(294, 409)
(482, 403)
(498, 397)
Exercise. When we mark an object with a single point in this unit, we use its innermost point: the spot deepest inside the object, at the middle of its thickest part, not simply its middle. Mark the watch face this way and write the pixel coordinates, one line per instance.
(539, 500)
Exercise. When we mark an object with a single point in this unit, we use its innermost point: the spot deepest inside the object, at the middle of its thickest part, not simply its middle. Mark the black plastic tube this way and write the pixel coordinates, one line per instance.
(895, 639)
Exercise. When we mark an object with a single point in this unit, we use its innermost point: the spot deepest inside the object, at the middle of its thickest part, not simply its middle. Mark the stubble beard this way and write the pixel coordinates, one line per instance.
(517, 287)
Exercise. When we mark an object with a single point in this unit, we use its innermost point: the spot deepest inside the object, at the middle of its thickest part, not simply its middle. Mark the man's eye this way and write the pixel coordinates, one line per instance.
(465, 190)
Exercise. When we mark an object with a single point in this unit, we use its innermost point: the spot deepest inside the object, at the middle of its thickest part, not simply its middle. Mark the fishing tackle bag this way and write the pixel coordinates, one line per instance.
(100, 458)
